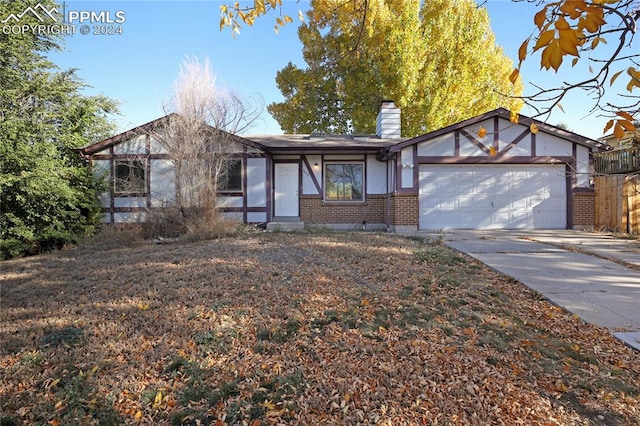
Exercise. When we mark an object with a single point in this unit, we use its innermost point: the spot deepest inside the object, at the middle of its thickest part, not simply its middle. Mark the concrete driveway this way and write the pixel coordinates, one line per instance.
(596, 277)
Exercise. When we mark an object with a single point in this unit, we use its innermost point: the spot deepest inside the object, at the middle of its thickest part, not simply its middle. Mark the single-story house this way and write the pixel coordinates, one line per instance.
(486, 172)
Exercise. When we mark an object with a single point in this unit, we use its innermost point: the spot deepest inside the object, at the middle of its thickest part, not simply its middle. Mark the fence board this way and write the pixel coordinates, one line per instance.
(617, 203)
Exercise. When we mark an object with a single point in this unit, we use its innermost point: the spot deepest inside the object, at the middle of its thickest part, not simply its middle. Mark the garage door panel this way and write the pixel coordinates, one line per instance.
(492, 196)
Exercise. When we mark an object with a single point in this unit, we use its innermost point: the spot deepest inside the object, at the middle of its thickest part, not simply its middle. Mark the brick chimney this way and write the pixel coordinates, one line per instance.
(388, 123)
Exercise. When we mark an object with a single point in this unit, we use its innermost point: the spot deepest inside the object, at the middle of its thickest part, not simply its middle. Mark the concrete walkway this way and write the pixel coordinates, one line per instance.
(596, 277)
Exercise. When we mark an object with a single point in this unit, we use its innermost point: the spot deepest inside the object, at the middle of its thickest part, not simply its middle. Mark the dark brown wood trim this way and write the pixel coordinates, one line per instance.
(230, 194)
(243, 176)
(305, 161)
(399, 171)
(514, 142)
(112, 172)
(456, 149)
(533, 144)
(416, 169)
(364, 179)
(569, 194)
(349, 160)
(496, 133)
(476, 142)
(130, 194)
(223, 209)
(493, 160)
(243, 210)
(147, 169)
(131, 156)
(574, 172)
(157, 156)
(269, 179)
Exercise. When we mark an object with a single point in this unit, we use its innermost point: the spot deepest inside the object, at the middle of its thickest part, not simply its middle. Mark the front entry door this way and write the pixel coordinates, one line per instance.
(286, 189)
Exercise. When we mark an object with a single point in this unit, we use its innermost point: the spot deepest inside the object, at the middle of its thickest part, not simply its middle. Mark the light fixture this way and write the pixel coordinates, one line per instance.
(316, 166)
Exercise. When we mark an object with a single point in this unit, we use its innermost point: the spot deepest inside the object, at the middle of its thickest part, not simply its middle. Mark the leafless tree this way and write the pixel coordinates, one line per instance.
(200, 135)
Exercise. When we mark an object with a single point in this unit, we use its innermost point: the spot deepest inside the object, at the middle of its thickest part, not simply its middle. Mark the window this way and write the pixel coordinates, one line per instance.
(130, 177)
(232, 181)
(344, 182)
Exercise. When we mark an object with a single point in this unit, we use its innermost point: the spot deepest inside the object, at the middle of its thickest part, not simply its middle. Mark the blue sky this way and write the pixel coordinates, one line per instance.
(139, 66)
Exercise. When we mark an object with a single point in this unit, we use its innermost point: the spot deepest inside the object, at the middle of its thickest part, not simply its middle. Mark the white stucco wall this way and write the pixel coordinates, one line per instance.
(162, 183)
(442, 146)
(137, 145)
(308, 187)
(508, 133)
(376, 176)
(256, 182)
(407, 165)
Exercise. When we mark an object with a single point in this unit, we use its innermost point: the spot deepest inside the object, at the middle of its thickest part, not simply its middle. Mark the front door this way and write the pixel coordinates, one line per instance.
(286, 188)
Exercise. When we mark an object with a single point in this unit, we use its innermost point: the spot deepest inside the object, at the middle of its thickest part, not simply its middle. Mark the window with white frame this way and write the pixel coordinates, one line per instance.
(130, 177)
(344, 181)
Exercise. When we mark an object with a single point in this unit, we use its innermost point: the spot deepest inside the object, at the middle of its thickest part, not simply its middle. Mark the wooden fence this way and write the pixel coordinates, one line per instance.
(618, 203)
(618, 161)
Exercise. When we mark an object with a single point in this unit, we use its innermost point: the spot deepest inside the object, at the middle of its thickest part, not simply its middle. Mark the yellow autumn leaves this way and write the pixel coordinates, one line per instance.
(232, 16)
(564, 28)
(558, 37)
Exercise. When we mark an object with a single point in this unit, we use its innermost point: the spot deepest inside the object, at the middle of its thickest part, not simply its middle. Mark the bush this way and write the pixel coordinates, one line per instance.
(12, 247)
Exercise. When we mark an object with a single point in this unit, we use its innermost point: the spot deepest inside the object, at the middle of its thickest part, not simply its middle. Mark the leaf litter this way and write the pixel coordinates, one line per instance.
(307, 328)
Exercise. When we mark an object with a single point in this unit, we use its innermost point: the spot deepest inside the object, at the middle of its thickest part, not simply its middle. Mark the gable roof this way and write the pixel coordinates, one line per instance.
(505, 114)
(141, 130)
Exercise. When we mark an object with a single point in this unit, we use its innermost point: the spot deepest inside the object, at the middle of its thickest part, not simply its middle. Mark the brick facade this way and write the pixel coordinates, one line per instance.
(584, 207)
(314, 211)
(404, 209)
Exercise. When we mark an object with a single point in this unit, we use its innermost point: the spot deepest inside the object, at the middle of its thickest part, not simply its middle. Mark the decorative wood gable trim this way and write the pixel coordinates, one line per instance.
(482, 147)
(312, 174)
(501, 113)
(496, 140)
(515, 142)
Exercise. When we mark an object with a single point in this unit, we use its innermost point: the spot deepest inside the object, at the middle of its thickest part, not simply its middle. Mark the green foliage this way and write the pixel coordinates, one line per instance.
(438, 60)
(48, 197)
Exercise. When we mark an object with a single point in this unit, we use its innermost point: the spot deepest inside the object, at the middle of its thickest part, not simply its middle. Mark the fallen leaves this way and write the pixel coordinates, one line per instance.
(298, 329)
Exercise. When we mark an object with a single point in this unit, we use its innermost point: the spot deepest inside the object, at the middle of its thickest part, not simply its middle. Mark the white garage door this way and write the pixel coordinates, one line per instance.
(493, 197)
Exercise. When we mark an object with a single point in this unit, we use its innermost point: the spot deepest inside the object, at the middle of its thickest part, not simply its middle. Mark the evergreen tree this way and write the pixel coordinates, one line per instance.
(48, 197)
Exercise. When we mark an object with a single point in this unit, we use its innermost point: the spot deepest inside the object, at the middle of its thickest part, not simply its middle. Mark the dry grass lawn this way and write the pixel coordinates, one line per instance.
(309, 328)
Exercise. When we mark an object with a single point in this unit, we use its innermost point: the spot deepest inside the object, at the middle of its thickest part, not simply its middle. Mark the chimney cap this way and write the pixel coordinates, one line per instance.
(388, 103)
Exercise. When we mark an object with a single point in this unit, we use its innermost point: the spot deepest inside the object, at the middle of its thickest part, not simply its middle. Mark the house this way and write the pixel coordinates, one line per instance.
(482, 173)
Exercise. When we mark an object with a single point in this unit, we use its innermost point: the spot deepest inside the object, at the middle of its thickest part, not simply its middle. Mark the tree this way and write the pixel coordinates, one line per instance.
(581, 30)
(200, 136)
(600, 32)
(440, 65)
(48, 197)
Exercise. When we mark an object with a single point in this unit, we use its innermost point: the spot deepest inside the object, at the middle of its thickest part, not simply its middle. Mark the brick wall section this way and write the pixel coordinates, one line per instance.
(315, 211)
(404, 209)
(584, 208)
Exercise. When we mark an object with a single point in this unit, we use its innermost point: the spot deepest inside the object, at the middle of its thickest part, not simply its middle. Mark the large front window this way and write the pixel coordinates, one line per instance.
(344, 182)
(130, 177)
